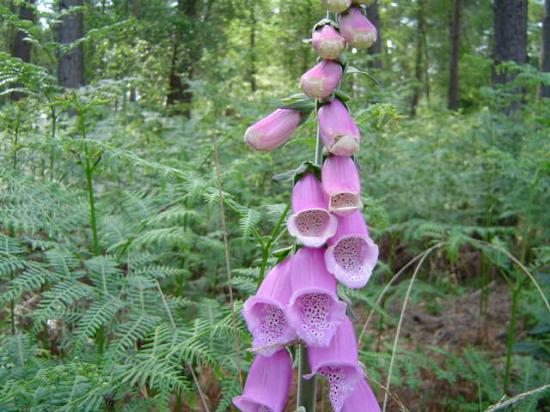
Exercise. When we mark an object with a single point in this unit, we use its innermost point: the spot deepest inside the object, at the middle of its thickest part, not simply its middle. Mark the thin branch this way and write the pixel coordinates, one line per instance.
(516, 398)
(401, 316)
(227, 262)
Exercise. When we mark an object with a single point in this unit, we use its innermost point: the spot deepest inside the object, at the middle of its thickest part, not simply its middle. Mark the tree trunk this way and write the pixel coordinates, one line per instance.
(70, 68)
(453, 58)
(20, 48)
(183, 61)
(252, 45)
(376, 49)
(510, 36)
(544, 91)
(419, 67)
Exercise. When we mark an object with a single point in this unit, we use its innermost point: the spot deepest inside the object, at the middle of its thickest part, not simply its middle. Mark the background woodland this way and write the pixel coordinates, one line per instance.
(128, 198)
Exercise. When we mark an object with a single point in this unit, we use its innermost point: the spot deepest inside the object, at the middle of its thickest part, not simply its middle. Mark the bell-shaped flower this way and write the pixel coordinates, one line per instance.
(338, 363)
(327, 42)
(351, 255)
(264, 312)
(322, 79)
(336, 6)
(337, 129)
(273, 130)
(314, 310)
(357, 29)
(267, 384)
(341, 182)
(361, 399)
(310, 222)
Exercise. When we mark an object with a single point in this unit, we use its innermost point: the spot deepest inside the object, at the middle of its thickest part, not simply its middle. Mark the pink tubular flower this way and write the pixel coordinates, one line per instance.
(314, 310)
(311, 223)
(361, 399)
(266, 387)
(351, 255)
(273, 130)
(337, 129)
(357, 29)
(338, 363)
(322, 79)
(327, 42)
(264, 312)
(336, 6)
(341, 182)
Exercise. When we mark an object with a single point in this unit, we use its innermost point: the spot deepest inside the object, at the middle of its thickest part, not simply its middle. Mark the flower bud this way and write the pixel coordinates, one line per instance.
(321, 80)
(328, 43)
(336, 6)
(338, 132)
(273, 130)
(357, 29)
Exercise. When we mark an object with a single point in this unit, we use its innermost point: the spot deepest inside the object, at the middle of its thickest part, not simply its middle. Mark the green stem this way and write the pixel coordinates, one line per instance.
(307, 392)
(88, 171)
(266, 249)
(52, 148)
(511, 336)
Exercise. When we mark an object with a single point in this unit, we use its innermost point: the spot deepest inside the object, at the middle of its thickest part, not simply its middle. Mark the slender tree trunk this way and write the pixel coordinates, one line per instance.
(70, 68)
(376, 49)
(183, 59)
(544, 91)
(419, 67)
(453, 58)
(510, 36)
(20, 48)
(252, 45)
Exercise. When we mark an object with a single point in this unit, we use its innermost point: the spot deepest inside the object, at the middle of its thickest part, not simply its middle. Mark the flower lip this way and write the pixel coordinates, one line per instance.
(351, 259)
(316, 333)
(344, 145)
(248, 404)
(312, 227)
(344, 203)
(352, 367)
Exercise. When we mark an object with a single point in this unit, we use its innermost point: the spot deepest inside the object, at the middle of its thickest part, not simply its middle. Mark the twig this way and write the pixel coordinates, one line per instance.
(401, 316)
(201, 393)
(516, 399)
(227, 262)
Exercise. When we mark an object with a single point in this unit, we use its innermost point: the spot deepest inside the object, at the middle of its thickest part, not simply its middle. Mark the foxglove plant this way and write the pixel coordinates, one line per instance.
(297, 301)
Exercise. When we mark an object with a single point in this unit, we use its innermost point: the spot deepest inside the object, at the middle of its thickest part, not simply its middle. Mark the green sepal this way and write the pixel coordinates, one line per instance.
(321, 23)
(281, 254)
(296, 174)
(300, 103)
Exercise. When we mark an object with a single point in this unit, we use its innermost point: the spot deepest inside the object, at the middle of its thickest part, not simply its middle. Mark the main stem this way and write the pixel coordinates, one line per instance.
(307, 389)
